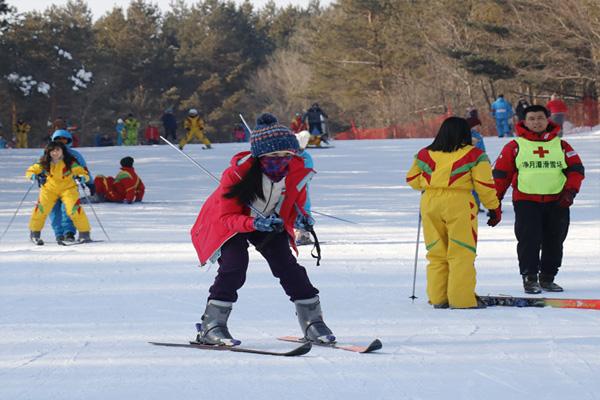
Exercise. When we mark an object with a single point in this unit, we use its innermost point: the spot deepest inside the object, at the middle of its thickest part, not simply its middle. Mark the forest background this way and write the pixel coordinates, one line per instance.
(368, 63)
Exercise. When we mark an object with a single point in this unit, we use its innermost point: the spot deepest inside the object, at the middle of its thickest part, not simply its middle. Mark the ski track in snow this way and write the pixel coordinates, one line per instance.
(75, 321)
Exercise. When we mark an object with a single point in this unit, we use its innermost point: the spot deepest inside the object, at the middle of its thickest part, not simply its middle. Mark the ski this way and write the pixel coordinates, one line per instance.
(371, 347)
(64, 243)
(511, 301)
(298, 351)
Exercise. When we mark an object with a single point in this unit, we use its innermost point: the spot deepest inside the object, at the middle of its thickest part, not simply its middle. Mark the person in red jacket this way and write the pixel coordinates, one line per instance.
(558, 110)
(297, 124)
(272, 179)
(546, 174)
(125, 187)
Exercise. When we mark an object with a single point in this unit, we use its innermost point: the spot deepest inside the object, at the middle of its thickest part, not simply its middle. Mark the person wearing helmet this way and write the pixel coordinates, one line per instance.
(302, 235)
(120, 129)
(64, 229)
(194, 126)
(132, 125)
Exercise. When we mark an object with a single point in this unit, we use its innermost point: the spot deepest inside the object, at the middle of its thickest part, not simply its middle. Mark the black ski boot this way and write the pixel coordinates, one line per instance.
(84, 237)
(69, 237)
(531, 285)
(213, 329)
(311, 322)
(547, 283)
(35, 238)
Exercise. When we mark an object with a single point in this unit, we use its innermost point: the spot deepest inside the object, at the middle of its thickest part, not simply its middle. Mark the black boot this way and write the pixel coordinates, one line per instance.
(547, 283)
(531, 285)
(35, 237)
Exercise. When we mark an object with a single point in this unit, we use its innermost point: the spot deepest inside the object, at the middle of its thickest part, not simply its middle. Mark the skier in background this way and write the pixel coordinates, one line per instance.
(446, 172)
(22, 129)
(120, 129)
(194, 127)
(126, 187)
(132, 125)
(56, 172)
(273, 180)
(520, 108)
(502, 113)
(315, 118)
(297, 124)
(302, 235)
(169, 124)
(558, 110)
(546, 174)
(477, 141)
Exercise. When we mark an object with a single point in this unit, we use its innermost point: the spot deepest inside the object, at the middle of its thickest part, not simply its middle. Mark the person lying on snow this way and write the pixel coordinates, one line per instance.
(126, 187)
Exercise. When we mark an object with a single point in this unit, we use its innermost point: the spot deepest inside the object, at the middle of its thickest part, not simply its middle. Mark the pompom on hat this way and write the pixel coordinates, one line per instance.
(270, 136)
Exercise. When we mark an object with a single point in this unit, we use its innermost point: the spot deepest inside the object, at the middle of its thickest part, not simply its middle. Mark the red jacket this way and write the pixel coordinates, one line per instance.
(297, 125)
(556, 106)
(220, 218)
(126, 186)
(151, 133)
(506, 173)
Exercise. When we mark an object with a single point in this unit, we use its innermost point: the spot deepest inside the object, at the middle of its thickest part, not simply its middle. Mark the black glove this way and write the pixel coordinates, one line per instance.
(40, 179)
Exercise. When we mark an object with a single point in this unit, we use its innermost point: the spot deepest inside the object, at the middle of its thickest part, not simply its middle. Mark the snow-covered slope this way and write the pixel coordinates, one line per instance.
(75, 322)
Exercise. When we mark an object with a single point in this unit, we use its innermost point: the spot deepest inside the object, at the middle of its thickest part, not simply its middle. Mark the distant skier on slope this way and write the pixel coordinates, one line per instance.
(546, 174)
(315, 117)
(272, 178)
(446, 172)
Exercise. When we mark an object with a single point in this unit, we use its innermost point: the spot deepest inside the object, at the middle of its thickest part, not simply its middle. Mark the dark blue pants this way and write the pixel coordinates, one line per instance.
(541, 229)
(233, 265)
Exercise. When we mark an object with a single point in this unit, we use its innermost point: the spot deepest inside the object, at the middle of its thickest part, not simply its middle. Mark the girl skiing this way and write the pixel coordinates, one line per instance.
(56, 171)
(272, 179)
(446, 172)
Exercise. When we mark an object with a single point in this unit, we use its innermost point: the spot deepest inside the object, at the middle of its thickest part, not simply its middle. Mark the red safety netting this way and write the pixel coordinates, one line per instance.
(584, 113)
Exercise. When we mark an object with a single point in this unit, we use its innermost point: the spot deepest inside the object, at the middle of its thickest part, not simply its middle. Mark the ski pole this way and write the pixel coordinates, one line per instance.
(331, 216)
(413, 297)
(197, 164)
(17, 210)
(93, 210)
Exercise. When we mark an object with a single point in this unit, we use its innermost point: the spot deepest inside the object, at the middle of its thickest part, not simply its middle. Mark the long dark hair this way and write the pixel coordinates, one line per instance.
(249, 188)
(45, 159)
(454, 134)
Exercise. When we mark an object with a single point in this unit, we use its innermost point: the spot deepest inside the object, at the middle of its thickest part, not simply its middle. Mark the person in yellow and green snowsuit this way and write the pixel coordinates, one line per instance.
(55, 173)
(194, 126)
(446, 172)
(132, 125)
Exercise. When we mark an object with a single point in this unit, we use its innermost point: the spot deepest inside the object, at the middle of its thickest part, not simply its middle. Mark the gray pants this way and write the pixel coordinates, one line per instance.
(559, 119)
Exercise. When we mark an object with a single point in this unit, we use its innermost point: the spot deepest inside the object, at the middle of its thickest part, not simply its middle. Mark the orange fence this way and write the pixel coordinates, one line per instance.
(584, 113)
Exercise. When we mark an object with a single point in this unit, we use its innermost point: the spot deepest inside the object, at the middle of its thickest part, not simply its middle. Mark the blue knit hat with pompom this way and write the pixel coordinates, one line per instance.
(269, 136)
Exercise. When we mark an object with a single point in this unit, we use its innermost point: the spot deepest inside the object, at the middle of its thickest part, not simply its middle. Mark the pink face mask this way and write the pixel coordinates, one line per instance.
(275, 167)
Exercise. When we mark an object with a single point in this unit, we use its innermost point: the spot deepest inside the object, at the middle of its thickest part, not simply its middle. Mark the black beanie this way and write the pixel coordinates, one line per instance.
(127, 162)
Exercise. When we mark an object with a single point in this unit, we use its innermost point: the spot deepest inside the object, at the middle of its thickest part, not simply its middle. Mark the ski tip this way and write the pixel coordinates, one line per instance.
(374, 346)
(304, 348)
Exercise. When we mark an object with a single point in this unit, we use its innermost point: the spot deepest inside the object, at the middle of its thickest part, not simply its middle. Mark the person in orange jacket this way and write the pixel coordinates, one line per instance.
(446, 172)
(297, 124)
(125, 187)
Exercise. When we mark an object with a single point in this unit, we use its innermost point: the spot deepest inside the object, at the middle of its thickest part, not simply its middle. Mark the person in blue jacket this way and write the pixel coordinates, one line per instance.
(119, 128)
(502, 112)
(302, 236)
(477, 141)
(63, 227)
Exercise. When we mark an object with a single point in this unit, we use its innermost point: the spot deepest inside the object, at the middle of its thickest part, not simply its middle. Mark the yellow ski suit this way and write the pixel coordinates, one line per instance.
(22, 130)
(194, 127)
(59, 184)
(449, 215)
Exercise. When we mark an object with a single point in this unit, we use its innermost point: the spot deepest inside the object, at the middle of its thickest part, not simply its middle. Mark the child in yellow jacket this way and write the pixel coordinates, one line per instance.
(56, 172)
(446, 172)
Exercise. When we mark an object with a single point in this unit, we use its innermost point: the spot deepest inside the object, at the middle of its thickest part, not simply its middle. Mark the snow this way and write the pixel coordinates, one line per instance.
(81, 79)
(75, 322)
